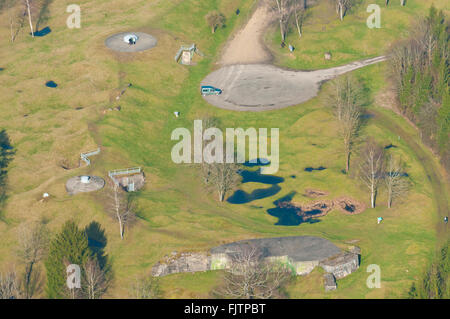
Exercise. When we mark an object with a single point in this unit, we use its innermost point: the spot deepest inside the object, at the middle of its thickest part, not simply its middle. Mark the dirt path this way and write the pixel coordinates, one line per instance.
(432, 171)
(247, 45)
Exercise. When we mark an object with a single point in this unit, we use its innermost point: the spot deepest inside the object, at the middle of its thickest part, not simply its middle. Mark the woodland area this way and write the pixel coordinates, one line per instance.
(420, 72)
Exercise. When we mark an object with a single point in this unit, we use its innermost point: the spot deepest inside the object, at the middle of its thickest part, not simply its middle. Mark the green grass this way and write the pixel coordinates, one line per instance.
(174, 212)
(348, 40)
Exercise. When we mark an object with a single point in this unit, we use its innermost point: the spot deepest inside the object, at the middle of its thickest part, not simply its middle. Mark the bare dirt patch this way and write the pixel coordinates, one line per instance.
(247, 46)
(321, 208)
(314, 193)
(349, 206)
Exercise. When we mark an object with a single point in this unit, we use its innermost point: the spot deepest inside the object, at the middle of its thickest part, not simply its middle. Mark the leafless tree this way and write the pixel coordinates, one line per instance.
(9, 286)
(215, 20)
(27, 3)
(33, 244)
(146, 288)
(371, 168)
(402, 2)
(121, 206)
(16, 16)
(396, 184)
(346, 98)
(300, 15)
(251, 277)
(224, 177)
(283, 9)
(96, 282)
(348, 127)
(342, 6)
(207, 122)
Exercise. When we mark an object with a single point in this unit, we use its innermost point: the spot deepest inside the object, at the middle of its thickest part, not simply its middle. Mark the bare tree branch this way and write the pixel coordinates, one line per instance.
(33, 245)
(95, 280)
(9, 286)
(346, 98)
(250, 276)
(396, 184)
(284, 10)
(120, 207)
(371, 169)
(146, 288)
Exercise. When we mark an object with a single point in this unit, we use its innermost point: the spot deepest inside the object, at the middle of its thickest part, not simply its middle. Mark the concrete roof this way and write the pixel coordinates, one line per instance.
(297, 248)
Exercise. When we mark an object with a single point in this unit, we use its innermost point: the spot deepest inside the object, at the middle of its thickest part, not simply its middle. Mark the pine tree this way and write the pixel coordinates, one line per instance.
(70, 246)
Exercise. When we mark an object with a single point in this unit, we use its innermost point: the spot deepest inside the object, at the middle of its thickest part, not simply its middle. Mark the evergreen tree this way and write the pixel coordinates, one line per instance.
(70, 246)
(434, 284)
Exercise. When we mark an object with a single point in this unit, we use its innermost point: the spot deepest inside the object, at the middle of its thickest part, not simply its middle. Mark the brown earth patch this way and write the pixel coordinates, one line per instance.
(349, 206)
(321, 208)
(314, 193)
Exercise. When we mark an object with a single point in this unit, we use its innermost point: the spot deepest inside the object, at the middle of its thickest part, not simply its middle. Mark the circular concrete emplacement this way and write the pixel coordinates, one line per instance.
(144, 41)
(84, 184)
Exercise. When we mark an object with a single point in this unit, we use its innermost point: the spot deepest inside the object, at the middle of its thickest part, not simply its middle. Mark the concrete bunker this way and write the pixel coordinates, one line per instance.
(300, 253)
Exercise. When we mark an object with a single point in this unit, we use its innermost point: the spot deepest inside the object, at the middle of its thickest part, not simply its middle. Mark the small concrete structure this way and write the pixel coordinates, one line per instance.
(327, 56)
(85, 179)
(341, 265)
(84, 184)
(329, 282)
(133, 182)
(186, 53)
(130, 38)
(131, 179)
(184, 262)
(144, 41)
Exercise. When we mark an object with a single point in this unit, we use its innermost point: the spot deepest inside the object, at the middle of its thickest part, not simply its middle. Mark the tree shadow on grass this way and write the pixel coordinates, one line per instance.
(43, 32)
(97, 242)
(6, 156)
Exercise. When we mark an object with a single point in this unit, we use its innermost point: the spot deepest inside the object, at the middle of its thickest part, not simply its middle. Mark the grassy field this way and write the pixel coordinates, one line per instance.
(347, 40)
(174, 212)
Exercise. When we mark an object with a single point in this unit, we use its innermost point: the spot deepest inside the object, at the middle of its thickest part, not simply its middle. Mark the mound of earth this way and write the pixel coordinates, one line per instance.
(321, 208)
(313, 193)
(349, 206)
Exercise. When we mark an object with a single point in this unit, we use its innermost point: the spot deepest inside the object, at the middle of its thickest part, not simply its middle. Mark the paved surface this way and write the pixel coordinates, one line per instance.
(262, 87)
(74, 185)
(145, 42)
(298, 248)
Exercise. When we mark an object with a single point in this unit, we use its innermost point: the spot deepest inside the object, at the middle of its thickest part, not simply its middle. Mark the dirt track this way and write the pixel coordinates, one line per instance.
(247, 46)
